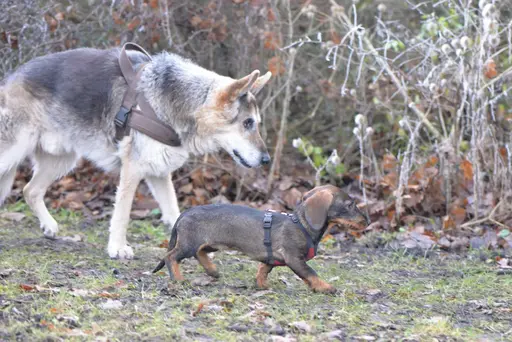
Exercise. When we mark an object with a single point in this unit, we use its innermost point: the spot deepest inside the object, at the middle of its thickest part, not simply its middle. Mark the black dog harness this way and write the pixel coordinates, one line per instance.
(267, 241)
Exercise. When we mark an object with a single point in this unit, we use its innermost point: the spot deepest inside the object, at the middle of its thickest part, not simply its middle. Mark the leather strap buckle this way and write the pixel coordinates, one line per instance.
(122, 116)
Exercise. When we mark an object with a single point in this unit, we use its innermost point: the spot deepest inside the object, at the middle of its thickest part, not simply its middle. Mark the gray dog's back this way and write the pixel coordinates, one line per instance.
(81, 80)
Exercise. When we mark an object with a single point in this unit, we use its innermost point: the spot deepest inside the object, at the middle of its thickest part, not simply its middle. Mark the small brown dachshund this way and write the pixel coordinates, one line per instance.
(274, 239)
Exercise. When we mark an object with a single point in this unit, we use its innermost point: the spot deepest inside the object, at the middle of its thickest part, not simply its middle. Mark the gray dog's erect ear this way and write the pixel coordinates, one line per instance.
(317, 206)
(260, 83)
(240, 87)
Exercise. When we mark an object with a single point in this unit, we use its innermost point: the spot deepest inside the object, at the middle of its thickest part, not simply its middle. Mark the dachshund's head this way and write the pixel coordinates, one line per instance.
(328, 204)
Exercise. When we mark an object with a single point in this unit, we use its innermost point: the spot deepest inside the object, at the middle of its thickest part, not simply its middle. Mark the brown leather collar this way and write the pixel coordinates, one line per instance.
(145, 119)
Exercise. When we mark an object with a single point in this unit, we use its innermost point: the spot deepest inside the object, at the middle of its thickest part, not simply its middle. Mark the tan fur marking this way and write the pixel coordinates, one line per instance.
(262, 275)
(205, 261)
(210, 120)
(318, 285)
(176, 269)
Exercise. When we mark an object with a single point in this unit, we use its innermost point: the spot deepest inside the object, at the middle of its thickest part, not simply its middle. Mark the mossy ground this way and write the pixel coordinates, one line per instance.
(383, 294)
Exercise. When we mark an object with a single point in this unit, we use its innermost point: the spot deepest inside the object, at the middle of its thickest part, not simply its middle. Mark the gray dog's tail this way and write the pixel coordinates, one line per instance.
(172, 244)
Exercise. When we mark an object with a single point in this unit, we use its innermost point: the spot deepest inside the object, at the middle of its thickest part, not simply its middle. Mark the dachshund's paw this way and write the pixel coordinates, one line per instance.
(328, 289)
(318, 285)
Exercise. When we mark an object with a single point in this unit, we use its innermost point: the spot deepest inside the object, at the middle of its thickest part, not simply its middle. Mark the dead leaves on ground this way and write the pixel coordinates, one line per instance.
(212, 305)
(73, 292)
(424, 209)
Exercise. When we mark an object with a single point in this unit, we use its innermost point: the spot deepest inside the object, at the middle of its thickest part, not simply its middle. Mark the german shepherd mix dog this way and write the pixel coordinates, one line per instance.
(61, 107)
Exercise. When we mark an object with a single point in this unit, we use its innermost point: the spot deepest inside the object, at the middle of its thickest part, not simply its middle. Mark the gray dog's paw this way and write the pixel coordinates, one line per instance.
(50, 230)
(120, 252)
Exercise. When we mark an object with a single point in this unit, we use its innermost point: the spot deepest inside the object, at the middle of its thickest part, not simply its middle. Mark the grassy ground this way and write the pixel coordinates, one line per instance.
(67, 290)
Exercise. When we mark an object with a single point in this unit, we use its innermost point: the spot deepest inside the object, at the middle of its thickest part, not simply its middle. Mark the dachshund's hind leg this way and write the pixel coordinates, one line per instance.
(173, 266)
(206, 262)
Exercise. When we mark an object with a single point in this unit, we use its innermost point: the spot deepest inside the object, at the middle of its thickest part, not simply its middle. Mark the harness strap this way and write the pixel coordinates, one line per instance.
(144, 119)
(267, 241)
(311, 245)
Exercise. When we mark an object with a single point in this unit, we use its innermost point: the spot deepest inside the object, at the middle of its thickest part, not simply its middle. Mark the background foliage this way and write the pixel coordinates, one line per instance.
(404, 103)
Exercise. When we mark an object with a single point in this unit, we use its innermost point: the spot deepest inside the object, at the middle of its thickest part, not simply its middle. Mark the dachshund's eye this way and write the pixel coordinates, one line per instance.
(249, 123)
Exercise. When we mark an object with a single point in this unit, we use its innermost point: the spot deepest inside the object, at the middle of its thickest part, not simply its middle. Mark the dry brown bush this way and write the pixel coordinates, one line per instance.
(430, 80)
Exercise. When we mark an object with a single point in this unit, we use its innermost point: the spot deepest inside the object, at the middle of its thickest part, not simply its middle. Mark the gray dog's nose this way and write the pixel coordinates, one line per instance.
(265, 158)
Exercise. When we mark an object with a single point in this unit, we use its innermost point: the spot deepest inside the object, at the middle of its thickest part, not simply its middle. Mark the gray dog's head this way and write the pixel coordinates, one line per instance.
(231, 118)
(211, 111)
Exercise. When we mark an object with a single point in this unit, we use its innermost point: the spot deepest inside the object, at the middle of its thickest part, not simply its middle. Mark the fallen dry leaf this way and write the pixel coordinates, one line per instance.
(80, 293)
(292, 197)
(112, 305)
(26, 287)
(74, 238)
(202, 280)
(37, 288)
(448, 223)
(302, 326)
(276, 65)
(490, 69)
(389, 162)
(467, 169)
(105, 294)
(286, 183)
(139, 214)
(458, 214)
(198, 310)
(212, 305)
(327, 237)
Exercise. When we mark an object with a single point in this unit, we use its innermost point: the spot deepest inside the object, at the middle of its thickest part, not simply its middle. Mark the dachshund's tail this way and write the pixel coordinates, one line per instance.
(172, 244)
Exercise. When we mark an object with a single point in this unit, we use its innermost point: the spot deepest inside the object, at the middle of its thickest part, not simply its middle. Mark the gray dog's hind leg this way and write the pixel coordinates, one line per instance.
(47, 168)
(6, 180)
(164, 193)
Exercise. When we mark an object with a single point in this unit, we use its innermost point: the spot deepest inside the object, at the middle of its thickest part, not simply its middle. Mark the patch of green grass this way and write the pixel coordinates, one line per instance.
(146, 228)
(382, 294)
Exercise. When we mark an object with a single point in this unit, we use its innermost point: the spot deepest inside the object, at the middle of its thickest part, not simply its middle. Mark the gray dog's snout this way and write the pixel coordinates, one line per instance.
(265, 158)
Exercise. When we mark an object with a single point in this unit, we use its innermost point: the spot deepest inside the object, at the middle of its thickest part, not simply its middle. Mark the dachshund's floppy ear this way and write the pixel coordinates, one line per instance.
(316, 207)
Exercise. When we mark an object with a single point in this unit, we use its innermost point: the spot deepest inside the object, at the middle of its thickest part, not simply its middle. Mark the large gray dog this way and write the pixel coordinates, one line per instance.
(61, 107)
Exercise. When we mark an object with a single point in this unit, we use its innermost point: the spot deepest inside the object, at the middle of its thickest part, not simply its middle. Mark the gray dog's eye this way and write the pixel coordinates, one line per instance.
(248, 123)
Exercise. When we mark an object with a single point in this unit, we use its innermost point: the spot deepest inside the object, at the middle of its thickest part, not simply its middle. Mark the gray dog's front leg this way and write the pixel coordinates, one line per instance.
(128, 182)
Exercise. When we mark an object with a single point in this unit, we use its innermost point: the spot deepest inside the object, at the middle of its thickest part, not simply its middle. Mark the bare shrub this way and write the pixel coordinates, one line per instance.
(431, 80)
